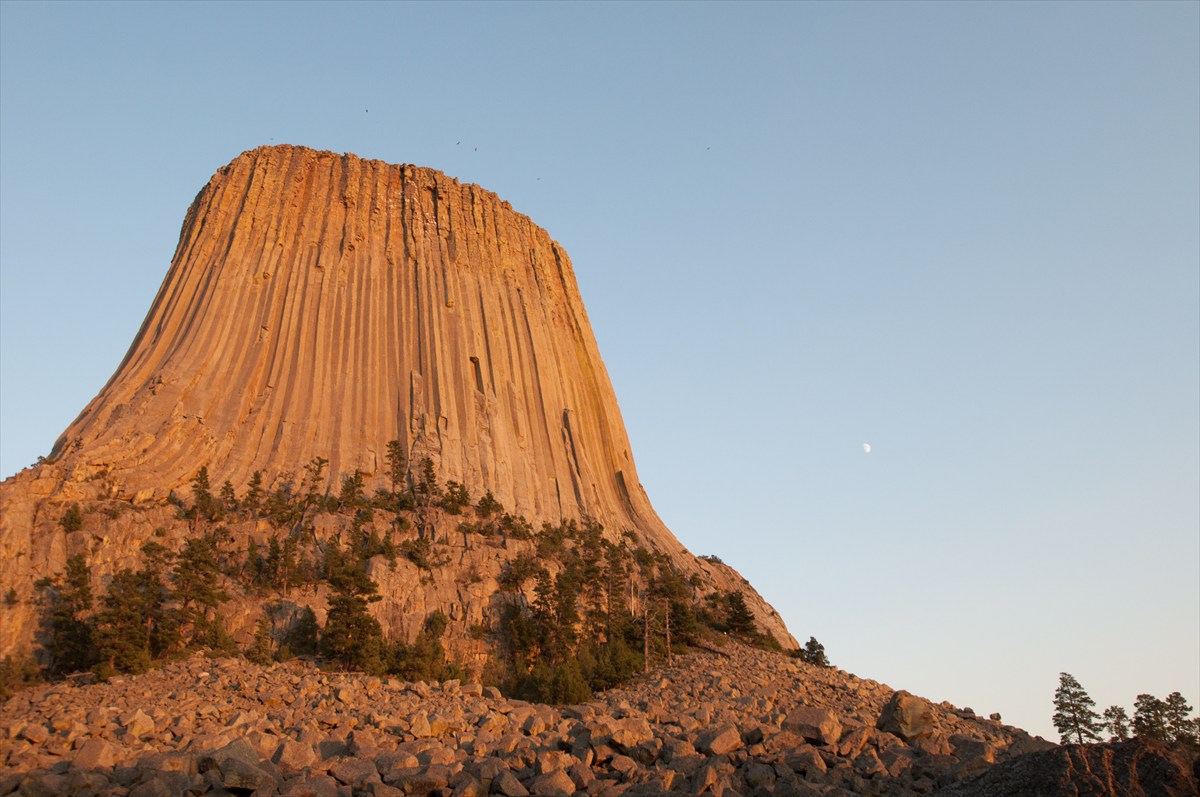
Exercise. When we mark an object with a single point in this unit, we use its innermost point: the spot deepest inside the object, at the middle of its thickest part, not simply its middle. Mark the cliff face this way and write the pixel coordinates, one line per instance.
(321, 305)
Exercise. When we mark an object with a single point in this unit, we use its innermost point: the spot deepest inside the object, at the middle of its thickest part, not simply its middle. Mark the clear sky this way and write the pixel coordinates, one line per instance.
(966, 234)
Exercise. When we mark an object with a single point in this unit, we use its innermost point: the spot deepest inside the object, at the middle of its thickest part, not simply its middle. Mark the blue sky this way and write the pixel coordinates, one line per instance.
(964, 233)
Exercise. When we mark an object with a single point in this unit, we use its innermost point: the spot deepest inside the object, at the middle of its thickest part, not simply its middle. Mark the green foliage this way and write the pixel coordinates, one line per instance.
(1150, 718)
(204, 505)
(455, 498)
(301, 638)
(1073, 714)
(427, 487)
(229, 501)
(814, 653)
(738, 618)
(516, 526)
(351, 496)
(352, 637)
(561, 684)
(133, 626)
(488, 506)
(517, 571)
(72, 519)
(1181, 728)
(254, 493)
(313, 484)
(261, 648)
(397, 464)
(282, 509)
(16, 674)
(418, 552)
(196, 578)
(1116, 722)
(425, 658)
(69, 631)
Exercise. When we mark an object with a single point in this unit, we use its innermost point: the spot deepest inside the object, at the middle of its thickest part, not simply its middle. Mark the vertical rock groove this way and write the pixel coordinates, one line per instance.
(319, 305)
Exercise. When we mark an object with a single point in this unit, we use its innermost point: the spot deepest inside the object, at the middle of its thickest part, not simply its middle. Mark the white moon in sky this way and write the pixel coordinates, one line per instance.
(866, 448)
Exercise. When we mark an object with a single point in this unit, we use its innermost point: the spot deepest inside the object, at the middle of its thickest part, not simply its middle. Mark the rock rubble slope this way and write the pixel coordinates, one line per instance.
(735, 721)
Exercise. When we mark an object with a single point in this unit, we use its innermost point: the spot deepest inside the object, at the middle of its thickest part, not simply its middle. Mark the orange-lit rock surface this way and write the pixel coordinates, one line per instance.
(320, 305)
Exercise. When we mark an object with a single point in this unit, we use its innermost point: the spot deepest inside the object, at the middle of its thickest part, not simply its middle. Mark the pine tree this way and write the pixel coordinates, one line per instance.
(126, 625)
(814, 653)
(314, 481)
(261, 646)
(301, 638)
(254, 492)
(229, 500)
(1117, 723)
(1175, 715)
(204, 506)
(352, 637)
(397, 465)
(197, 576)
(351, 495)
(70, 633)
(740, 619)
(1073, 714)
(1150, 718)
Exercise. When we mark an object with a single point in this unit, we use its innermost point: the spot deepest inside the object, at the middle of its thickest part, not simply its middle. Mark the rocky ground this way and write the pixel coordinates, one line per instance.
(1134, 768)
(734, 721)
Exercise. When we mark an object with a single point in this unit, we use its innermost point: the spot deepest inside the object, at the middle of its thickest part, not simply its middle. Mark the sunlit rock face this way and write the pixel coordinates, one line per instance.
(321, 305)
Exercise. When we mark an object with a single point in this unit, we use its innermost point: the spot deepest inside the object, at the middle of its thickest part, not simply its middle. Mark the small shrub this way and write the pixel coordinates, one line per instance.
(72, 519)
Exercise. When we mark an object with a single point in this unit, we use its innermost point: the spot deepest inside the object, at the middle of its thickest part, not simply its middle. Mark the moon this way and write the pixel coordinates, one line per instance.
(866, 448)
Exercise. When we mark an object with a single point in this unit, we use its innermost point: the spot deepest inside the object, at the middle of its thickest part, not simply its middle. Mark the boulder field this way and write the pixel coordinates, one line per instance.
(733, 721)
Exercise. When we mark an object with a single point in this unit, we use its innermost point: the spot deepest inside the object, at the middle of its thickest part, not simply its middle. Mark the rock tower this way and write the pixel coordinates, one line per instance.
(321, 305)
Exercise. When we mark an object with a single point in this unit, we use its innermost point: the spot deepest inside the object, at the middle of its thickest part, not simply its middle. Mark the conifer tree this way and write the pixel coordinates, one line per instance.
(261, 646)
(301, 638)
(254, 491)
(814, 653)
(70, 633)
(196, 577)
(351, 495)
(314, 481)
(1150, 718)
(740, 619)
(1117, 723)
(133, 626)
(1175, 716)
(204, 506)
(352, 637)
(229, 500)
(397, 465)
(1073, 714)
